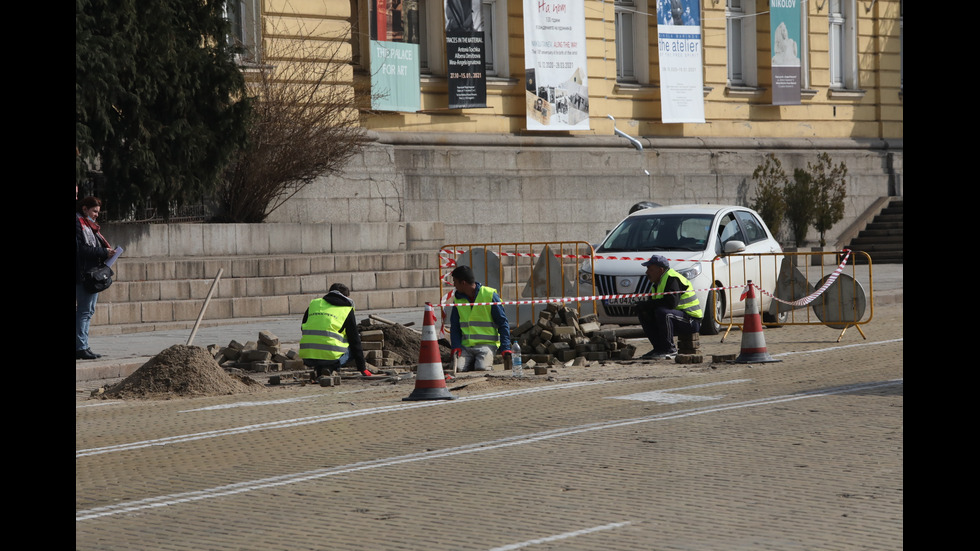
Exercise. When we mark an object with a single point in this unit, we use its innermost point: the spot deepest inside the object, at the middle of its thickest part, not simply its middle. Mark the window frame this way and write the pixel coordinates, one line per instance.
(842, 44)
(636, 12)
(741, 49)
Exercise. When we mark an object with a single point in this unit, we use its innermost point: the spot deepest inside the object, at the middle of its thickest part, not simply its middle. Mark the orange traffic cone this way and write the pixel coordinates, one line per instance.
(430, 383)
(753, 342)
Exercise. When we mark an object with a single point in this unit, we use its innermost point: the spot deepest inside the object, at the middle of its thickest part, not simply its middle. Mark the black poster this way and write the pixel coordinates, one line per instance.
(465, 54)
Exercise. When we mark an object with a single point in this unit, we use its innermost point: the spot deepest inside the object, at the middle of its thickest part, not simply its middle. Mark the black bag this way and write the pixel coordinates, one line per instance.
(97, 279)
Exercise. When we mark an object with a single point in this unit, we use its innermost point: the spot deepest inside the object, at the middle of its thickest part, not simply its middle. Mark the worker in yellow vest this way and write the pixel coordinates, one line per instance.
(330, 336)
(673, 309)
(478, 331)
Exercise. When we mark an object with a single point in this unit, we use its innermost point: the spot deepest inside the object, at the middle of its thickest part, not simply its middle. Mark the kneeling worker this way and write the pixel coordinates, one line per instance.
(476, 332)
(330, 333)
(663, 315)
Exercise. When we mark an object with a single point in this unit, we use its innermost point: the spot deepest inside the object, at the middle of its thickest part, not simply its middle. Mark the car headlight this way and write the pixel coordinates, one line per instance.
(692, 272)
(585, 278)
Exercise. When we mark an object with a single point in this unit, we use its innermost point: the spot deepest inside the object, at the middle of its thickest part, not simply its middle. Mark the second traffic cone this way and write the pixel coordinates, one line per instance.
(753, 342)
(430, 382)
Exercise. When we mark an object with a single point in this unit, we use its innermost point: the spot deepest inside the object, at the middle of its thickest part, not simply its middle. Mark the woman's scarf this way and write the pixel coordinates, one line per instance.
(90, 229)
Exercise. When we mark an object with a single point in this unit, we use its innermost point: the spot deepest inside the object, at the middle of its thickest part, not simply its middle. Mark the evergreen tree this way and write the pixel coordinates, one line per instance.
(159, 103)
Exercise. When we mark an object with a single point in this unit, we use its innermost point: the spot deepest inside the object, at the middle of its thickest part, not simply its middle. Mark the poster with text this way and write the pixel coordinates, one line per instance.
(679, 45)
(394, 55)
(465, 54)
(556, 90)
(784, 20)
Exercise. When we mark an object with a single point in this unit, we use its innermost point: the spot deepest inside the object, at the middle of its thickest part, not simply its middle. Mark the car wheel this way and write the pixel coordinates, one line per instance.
(716, 304)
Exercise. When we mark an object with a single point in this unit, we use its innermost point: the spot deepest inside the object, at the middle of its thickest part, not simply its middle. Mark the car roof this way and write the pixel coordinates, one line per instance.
(688, 209)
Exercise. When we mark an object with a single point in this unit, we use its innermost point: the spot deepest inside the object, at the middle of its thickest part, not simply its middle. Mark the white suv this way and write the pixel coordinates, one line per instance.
(690, 236)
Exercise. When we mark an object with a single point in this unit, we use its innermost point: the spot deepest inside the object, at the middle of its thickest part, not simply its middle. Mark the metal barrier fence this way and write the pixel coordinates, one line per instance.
(802, 288)
(526, 274)
(795, 288)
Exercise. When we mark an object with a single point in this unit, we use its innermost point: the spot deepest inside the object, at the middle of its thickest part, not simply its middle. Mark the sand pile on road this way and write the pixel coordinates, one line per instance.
(180, 371)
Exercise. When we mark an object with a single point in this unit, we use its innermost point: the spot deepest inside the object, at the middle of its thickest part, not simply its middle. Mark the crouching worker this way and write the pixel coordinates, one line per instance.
(477, 331)
(330, 334)
(676, 311)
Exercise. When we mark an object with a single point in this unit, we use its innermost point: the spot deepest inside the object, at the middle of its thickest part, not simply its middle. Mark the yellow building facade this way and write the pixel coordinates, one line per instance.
(864, 102)
(852, 105)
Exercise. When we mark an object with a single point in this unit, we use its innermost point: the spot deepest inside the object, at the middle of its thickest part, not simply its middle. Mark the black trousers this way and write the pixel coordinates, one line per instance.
(661, 324)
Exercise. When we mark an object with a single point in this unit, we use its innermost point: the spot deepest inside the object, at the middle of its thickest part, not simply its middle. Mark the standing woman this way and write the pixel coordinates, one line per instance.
(91, 249)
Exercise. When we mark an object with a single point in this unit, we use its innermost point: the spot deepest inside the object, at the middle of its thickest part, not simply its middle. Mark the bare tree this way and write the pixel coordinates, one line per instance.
(305, 124)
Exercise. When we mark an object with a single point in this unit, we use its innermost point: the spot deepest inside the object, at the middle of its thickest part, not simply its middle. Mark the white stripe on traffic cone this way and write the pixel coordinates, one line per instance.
(753, 342)
(430, 382)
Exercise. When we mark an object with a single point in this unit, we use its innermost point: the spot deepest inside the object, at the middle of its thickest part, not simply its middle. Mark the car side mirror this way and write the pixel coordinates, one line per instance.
(734, 246)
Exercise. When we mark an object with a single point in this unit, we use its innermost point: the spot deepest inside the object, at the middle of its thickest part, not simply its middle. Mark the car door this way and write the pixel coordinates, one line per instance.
(730, 269)
(761, 266)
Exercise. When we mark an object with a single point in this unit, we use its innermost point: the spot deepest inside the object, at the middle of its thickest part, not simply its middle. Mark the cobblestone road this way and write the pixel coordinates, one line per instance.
(805, 453)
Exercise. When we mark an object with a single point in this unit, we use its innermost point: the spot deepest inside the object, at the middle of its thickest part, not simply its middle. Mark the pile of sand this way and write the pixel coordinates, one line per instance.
(180, 371)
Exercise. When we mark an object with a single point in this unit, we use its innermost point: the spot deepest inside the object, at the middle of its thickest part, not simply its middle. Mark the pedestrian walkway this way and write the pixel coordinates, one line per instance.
(124, 353)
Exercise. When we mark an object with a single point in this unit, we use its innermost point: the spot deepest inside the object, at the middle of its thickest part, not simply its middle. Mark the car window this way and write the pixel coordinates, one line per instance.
(680, 232)
(729, 230)
(751, 227)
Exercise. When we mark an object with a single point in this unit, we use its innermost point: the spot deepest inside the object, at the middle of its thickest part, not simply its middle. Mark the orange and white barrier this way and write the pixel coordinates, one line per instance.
(430, 382)
(753, 342)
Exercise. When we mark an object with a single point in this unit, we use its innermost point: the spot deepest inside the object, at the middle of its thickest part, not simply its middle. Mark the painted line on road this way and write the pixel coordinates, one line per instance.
(289, 423)
(831, 349)
(557, 537)
(287, 479)
(669, 396)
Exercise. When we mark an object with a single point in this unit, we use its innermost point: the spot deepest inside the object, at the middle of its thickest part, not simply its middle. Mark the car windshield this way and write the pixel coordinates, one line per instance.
(660, 232)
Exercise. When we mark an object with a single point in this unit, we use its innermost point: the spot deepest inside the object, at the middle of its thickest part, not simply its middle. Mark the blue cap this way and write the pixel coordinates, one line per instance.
(657, 260)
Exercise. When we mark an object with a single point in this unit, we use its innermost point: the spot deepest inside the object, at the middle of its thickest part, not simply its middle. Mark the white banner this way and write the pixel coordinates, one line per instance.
(557, 92)
(679, 44)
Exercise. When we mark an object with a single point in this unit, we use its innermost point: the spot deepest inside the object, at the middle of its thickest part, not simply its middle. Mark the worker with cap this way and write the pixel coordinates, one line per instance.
(477, 328)
(672, 309)
(329, 334)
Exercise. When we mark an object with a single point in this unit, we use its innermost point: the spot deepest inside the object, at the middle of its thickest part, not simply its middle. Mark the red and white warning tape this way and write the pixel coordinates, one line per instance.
(447, 300)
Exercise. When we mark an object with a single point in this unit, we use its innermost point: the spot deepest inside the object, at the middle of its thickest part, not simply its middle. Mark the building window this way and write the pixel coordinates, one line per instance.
(740, 28)
(632, 46)
(843, 38)
(245, 35)
(495, 37)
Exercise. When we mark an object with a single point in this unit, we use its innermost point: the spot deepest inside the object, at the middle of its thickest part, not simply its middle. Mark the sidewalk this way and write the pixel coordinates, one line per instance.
(123, 354)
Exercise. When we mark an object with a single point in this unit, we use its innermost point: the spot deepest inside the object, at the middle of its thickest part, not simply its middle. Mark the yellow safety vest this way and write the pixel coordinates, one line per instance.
(324, 337)
(476, 322)
(688, 302)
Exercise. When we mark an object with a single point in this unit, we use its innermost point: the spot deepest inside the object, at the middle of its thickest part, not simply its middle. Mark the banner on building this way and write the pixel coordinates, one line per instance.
(679, 44)
(466, 54)
(784, 22)
(557, 92)
(394, 55)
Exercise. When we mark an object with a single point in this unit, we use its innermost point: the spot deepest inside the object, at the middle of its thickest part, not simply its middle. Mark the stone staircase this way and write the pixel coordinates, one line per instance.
(882, 238)
(150, 294)
(167, 271)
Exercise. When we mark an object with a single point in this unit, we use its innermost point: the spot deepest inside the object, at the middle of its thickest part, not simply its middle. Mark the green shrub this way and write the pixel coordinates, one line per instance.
(769, 201)
(831, 189)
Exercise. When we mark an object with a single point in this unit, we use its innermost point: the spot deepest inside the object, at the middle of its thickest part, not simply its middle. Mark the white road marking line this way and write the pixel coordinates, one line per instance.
(831, 349)
(283, 480)
(287, 423)
(557, 537)
(251, 404)
(669, 396)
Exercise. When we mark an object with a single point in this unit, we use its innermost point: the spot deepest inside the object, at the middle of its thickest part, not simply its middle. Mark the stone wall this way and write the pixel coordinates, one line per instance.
(514, 189)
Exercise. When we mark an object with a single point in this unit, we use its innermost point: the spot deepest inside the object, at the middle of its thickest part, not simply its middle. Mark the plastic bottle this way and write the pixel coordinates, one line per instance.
(517, 366)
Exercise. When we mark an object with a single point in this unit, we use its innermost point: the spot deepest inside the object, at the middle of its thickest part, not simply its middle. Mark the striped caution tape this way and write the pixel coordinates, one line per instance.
(801, 302)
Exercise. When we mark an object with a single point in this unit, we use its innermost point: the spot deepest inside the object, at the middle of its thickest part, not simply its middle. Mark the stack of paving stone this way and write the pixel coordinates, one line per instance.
(559, 335)
(375, 353)
(689, 349)
(261, 356)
